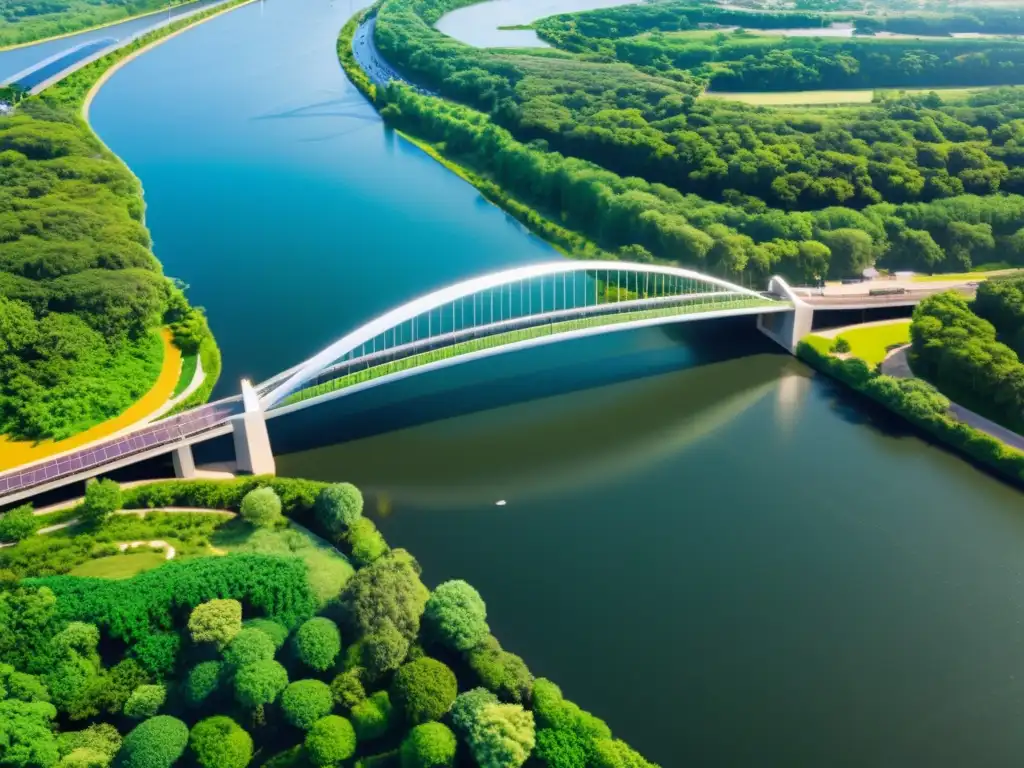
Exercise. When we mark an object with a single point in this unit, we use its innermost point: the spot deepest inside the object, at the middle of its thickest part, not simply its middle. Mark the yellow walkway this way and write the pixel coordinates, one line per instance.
(16, 453)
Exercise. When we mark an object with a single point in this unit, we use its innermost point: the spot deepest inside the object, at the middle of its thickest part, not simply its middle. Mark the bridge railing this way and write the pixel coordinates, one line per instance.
(536, 291)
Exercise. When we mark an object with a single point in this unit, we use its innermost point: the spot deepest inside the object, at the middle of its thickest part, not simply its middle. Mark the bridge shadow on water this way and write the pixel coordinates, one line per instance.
(518, 377)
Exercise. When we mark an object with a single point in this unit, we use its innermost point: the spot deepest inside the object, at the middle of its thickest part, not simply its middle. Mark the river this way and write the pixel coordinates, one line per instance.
(731, 561)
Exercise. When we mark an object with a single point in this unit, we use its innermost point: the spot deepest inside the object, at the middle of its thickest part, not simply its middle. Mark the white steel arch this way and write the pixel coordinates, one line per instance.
(305, 372)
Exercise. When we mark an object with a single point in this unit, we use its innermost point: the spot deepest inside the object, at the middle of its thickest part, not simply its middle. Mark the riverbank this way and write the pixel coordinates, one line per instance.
(16, 453)
(920, 404)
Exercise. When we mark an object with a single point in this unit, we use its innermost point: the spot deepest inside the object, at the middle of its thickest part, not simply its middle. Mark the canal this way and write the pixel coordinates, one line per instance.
(719, 553)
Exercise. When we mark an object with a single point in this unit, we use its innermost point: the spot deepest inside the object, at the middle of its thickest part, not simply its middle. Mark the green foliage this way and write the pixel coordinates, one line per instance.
(429, 745)
(28, 619)
(215, 621)
(17, 524)
(385, 601)
(365, 542)
(145, 701)
(347, 688)
(499, 735)
(26, 738)
(372, 717)
(154, 743)
(502, 672)
(424, 690)
(330, 740)
(261, 507)
(137, 609)
(219, 742)
(457, 616)
(318, 643)
(259, 683)
(204, 679)
(561, 748)
(273, 630)
(610, 753)
(306, 701)
(297, 496)
(101, 498)
(338, 506)
(93, 747)
(290, 758)
(840, 345)
(22, 686)
(248, 646)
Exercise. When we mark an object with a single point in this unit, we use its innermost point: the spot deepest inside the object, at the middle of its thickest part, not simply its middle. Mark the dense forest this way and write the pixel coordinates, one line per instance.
(81, 294)
(28, 20)
(249, 658)
(969, 350)
(631, 156)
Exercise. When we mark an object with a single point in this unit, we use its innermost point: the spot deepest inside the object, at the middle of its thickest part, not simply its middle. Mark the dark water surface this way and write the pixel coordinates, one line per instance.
(720, 554)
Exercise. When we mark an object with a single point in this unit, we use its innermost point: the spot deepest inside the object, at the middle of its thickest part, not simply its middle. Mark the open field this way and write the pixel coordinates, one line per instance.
(827, 98)
(119, 566)
(978, 274)
(872, 342)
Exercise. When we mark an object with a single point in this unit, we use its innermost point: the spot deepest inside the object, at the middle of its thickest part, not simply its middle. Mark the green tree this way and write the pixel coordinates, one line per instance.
(347, 688)
(456, 615)
(203, 680)
(248, 646)
(215, 621)
(259, 683)
(502, 672)
(372, 716)
(424, 690)
(275, 631)
(561, 748)
(26, 734)
(261, 507)
(219, 742)
(93, 746)
(338, 506)
(365, 541)
(852, 251)
(18, 524)
(145, 701)
(429, 745)
(155, 743)
(610, 753)
(101, 498)
(840, 345)
(500, 735)
(306, 701)
(318, 643)
(330, 740)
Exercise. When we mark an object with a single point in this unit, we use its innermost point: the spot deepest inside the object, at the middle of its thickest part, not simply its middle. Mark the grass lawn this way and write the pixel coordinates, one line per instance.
(980, 275)
(119, 566)
(872, 342)
(188, 371)
(328, 568)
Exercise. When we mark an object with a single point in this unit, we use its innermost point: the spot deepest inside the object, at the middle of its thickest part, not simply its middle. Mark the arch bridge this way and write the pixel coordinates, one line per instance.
(509, 310)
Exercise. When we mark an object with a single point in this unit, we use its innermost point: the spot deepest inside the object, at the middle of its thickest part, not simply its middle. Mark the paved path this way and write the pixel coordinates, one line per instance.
(897, 365)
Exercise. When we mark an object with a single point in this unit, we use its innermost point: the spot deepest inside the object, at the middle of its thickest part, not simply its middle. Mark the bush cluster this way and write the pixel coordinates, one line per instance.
(306, 701)
(318, 643)
(219, 742)
(330, 740)
(424, 690)
(261, 507)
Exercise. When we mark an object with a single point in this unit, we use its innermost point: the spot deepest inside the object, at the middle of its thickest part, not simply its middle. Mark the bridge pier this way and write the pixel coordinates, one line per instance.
(184, 462)
(786, 328)
(253, 453)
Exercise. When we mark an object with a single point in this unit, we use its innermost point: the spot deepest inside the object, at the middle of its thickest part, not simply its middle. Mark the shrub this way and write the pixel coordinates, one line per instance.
(338, 506)
(215, 621)
(203, 680)
(429, 745)
(219, 742)
(101, 740)
(261, 508)
(617, 754)
(260, 683)
(275, 631)
(18, 524)
(424, 690)
(500, 735)
(347, 688)
(26, 732)
(365, 542)
(456, 615)
(840, 345)
(561, 749)
(371, 717)
(554, 711)
(384, 650)
(318, 643)
(330, 740)
(78, 637)
(101, 498)
(502, 672)
(306, 701)
(145, 701)
(25, 687)
(154, 743)
(466, 706)
(158, 652)
(249, 646)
